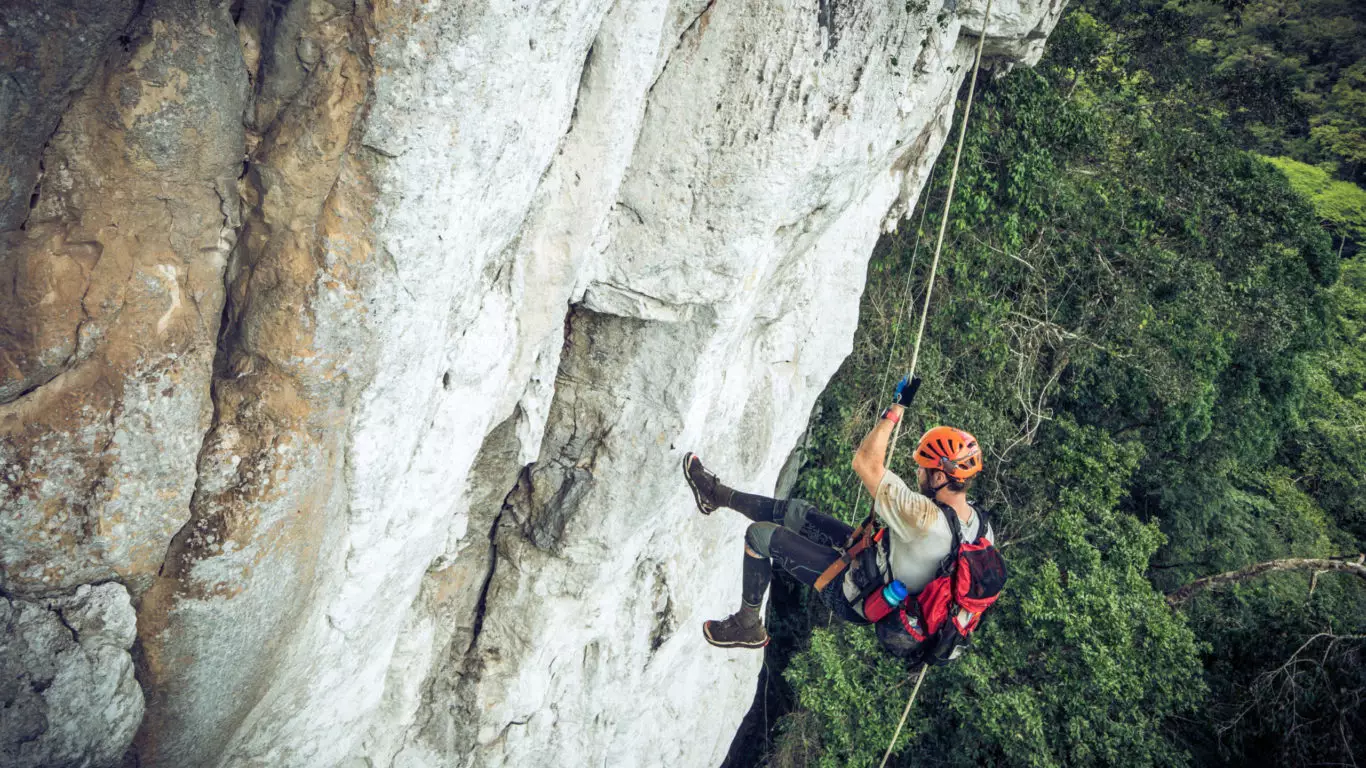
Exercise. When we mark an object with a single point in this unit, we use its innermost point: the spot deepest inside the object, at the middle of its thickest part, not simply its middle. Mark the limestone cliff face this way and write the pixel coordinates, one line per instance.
(350, 349)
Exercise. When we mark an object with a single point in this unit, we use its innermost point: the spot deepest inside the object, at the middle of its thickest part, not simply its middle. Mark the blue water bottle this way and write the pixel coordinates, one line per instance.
(894, 593)
(884, 601)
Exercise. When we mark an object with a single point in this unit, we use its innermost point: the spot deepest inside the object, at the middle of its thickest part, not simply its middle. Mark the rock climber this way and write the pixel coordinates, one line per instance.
(804, 542)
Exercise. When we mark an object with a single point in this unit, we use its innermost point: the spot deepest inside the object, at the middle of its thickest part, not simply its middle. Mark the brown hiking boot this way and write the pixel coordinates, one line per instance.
(707, 490)
(742, 629)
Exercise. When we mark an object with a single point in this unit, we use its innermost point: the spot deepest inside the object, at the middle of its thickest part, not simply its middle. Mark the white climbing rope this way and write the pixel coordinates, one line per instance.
(923, 669)
(944, 219)
(885, 381)
(925, 311)
(907, 299)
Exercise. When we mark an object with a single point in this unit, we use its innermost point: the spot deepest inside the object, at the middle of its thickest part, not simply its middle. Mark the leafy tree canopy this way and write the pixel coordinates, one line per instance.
(1341, 205)
(1288, 75)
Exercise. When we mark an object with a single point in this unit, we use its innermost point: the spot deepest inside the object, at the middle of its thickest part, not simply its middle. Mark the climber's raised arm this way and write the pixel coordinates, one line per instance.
(871, 456)
(869, 459)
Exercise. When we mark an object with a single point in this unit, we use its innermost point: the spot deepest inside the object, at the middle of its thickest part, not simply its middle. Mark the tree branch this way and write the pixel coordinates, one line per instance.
(1353, 566)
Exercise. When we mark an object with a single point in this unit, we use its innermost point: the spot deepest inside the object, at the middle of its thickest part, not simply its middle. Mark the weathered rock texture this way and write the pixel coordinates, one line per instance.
(66, 680)
(360, 341)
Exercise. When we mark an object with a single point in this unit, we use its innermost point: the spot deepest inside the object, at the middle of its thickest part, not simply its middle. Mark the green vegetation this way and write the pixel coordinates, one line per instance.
(1286, 77)
(1341, 205)
(1289, 76)
(1157, 344)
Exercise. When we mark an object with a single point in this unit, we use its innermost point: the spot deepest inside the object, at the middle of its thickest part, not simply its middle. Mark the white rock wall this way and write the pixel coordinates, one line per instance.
(715, 293)
(499, 265)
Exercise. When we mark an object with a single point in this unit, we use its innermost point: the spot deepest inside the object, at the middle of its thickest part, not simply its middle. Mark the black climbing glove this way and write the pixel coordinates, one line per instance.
(905, 391)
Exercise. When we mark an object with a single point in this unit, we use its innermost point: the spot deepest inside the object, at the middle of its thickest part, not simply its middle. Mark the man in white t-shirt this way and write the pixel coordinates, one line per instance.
(806, 543)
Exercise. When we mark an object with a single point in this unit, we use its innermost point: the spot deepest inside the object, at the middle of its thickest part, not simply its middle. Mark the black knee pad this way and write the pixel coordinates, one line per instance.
(795, 512)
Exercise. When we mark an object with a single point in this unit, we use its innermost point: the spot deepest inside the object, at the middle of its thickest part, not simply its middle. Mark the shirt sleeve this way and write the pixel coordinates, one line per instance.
(907, 513)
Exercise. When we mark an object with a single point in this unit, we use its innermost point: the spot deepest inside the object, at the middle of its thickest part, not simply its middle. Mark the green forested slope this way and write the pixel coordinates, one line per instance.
(1156, 342)
(1287, 76)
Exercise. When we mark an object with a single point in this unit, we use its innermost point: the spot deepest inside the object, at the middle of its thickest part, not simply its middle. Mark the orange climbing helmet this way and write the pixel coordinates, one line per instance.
(951, 451)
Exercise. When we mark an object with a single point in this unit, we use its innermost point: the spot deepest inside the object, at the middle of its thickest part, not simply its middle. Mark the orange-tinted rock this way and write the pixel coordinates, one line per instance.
(111, 305)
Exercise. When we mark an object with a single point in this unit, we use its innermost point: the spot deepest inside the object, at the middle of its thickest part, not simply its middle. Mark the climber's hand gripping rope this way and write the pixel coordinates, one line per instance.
(901, 400)
(905, 391)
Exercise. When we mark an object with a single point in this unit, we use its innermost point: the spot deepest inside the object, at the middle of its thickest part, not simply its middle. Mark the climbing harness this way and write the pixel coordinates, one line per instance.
(863, 540)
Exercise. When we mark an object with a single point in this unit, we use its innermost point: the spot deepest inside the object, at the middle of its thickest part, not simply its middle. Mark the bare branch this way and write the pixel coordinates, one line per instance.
(1284, 688)
(1353, 566)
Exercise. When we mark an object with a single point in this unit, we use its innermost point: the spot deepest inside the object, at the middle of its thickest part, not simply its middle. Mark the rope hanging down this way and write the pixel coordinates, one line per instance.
(904, 713)
(925, 311)
(944, 219)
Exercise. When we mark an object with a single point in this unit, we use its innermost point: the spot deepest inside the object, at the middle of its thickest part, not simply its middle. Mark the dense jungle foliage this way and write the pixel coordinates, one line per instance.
(1151, 319)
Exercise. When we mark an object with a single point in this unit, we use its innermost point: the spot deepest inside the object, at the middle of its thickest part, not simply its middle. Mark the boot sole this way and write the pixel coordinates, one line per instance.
(706, 633)
(702, 506)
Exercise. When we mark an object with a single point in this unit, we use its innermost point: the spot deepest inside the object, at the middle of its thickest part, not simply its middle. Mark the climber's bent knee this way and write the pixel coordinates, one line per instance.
(757, 538)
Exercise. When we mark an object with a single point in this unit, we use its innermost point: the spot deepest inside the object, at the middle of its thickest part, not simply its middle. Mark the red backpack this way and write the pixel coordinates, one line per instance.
(935, 625)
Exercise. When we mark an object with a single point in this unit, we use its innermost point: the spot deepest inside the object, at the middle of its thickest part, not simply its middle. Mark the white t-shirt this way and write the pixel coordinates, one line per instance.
(918, 534)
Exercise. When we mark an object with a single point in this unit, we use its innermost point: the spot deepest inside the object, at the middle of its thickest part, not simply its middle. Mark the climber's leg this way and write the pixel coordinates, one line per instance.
(804, 559)
(745, 627)
(796, 515)
(807, 554)
(711, 495)
(802, 518)
(768, 544)
(801, 557)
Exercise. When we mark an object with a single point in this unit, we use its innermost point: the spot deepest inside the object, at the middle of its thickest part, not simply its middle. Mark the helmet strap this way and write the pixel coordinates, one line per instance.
(934, 490)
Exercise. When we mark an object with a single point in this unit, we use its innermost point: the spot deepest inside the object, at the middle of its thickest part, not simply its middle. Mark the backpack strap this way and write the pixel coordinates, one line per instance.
(950, 560)
(983, 522)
